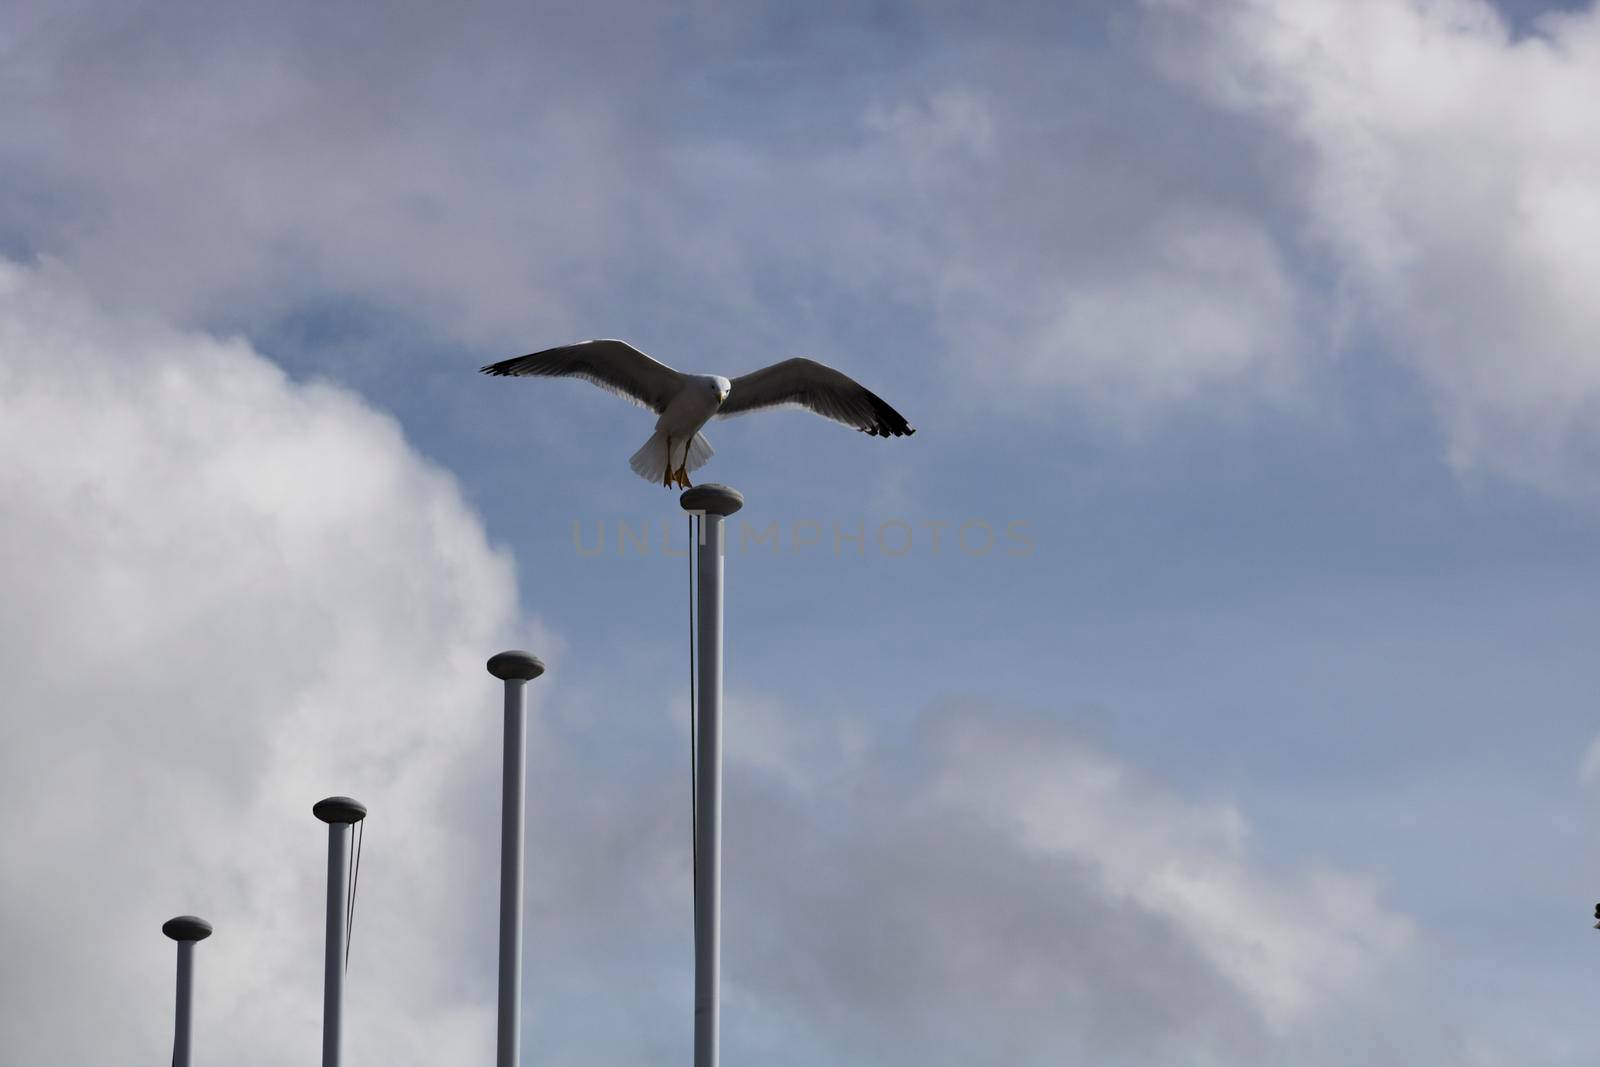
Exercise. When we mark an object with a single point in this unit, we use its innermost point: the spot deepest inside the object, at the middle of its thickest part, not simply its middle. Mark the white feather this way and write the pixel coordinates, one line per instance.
(650, 462)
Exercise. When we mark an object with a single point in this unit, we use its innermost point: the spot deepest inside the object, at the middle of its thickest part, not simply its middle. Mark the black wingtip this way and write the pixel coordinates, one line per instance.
(503, 369)
(887, 422)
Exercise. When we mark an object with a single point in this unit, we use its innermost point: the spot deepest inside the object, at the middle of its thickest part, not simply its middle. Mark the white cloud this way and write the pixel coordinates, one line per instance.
(1193, 306)
(948, 121)
(230, 595)
(1287, 941)
(1453, 174)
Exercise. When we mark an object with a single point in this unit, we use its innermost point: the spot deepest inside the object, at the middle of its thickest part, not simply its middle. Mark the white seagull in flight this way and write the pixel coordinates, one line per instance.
(686, 402)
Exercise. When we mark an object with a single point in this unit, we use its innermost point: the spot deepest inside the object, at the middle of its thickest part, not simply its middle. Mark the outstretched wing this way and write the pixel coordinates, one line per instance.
(615, 366)
(810, 384)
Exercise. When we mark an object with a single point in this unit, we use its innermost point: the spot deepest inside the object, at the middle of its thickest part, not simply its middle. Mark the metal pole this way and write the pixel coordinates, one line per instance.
(712, 503)
(515, 669)
(185, 930)
(341, 814)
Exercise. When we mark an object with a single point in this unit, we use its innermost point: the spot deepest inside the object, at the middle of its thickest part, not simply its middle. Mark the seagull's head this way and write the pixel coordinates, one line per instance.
(723, 387)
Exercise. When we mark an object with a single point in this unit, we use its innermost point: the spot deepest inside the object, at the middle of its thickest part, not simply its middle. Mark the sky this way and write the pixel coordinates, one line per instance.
(1210, 680)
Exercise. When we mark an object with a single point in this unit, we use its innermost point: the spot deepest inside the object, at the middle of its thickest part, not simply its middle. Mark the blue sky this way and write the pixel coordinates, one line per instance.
(1270, 321)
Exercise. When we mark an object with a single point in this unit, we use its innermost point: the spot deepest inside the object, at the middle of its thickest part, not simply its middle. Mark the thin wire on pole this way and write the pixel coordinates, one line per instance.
(341, 814)
(355, 878)
(694, 785)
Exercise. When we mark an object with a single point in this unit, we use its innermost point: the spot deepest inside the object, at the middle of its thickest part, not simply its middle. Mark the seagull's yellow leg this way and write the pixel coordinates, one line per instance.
(666, 476)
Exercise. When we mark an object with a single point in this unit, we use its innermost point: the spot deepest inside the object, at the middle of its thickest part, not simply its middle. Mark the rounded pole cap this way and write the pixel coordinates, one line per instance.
(712, 499)
(515, 666)
(187, 928)
(339, 809)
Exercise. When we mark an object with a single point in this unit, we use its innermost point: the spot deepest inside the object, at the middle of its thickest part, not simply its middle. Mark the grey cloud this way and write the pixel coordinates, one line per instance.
(928, 938)
(930, 899)
(505, 172)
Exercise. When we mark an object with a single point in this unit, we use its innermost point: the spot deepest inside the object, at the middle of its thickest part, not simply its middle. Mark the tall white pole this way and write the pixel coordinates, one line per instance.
(185, 930)
(341, 814)
(516, 669)
(712, 503)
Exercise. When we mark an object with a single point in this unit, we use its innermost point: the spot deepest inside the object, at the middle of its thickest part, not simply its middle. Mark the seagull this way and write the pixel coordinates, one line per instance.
(686, 402)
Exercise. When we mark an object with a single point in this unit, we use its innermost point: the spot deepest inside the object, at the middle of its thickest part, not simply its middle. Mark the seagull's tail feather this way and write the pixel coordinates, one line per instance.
(650, 462)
